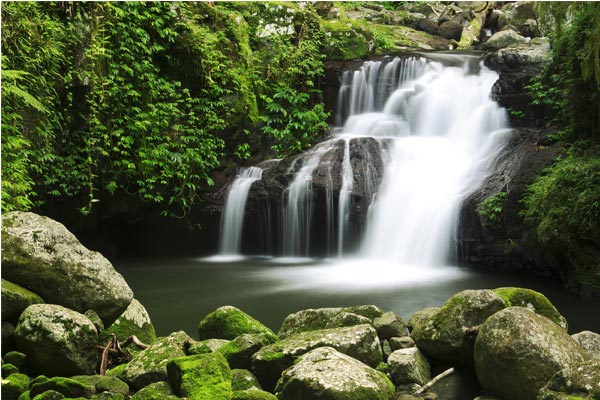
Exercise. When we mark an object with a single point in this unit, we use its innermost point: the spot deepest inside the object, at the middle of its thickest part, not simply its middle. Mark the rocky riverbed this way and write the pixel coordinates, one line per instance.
(71, 328)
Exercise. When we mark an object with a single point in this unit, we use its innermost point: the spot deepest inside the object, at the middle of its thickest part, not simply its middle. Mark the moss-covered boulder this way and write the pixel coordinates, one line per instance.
(49, 395)
(590, 342)
(206, 346)
(252, 394)
(155, 391)
(517, 351)
(15, 299)
(407, 366)
(100, 383)
(41, 255)
(403, 342)
(150, 365)
(242, 379)
(420, 317)
(535, 301)
(57, 341)
(239, 351)
(360, 342)
(502, 39)
(15, 358)
(449, 334)
(324, 318)
(229, 322)
(578, 382)
(9, 369)
(134, 321)
(66, 386)
(203, 376)
(14, 385)
(327, 374)
(109, 396)
(389, 325)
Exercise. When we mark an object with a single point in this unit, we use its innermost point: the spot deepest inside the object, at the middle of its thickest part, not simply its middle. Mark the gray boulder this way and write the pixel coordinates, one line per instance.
(449, 334)
(41, 255)
(532, 56)
(242, 379)
(389, 325)
(502, 39)
(578, 382)
(15, 299)
(360, 342)
(150, 366)
(450, 30)
(517, 351)
(590, 342)
(521, 16)
(326, 374)
(134, 321)
(57, 341)
(239, 351)
(408, 366)
(403, 342)
(532, 300)
(421, 316)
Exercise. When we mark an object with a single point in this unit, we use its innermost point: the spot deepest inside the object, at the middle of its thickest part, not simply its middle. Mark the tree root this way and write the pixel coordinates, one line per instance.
(114, 354)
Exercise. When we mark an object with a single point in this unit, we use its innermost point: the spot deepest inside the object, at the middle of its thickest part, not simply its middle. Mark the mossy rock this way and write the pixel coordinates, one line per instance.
(407, 366)
(150, 365)
(344, 41)
(15, 358)
(421, 316)
(109, 396)
(535, 301)
(49, 395)
(15, 299)
(134, 321)
(203, 376)
(66, 386)
(242, 379)
(25, 396)
(578, 382)
(14, 385)
(449, 334)
(9, 369)
(206, 346)
(155, 391)
(389, 325)
(252, 394)
(229, 322)
(99, 383)
(590, 342)
(117, 371)
(239, 351)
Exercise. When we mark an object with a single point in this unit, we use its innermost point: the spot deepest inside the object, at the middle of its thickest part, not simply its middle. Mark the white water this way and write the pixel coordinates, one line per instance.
(446, 134)
(232, 219)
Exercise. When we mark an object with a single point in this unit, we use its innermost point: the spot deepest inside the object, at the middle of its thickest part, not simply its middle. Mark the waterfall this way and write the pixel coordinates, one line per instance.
(232, 219)
(344, 198)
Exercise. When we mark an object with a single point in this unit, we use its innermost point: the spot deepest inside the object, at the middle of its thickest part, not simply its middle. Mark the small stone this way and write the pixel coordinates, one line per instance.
(155, 391)
(404, 342)
(389, 325)
(408, 366)
(242, 379)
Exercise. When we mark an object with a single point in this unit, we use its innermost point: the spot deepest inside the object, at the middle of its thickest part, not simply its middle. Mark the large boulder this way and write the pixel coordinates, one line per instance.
(155, 391)
(41, 255)
(150, 366)
(242, 379)
(449, 334)
(203, 376)
(390, 325)
(521, 16)
(578, 382)
(239, 351)
(57, 341)
(517, 351)
(534, 301)
(360, 342)
(408, 366)
(134, 321)
(15, 299)
(229, 322)
(502, 39)
(326, 374)
(590, 342)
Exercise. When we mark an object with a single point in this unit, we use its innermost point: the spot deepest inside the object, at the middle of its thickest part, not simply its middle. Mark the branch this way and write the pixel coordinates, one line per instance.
(435, 380)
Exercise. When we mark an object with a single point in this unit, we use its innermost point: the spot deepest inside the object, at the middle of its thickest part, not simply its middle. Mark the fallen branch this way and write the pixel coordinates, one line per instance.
(133, 339)
(104, 359)
(432, 382)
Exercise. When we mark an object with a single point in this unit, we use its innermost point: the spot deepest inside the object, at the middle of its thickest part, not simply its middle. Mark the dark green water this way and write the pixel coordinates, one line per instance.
(178, 293)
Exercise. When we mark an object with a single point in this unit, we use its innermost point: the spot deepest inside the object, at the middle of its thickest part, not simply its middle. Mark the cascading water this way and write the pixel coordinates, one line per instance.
(232, 219)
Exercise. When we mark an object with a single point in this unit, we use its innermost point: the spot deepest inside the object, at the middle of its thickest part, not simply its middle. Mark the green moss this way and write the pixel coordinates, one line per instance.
(14, 385)
(470, 35)
(535, 301)
(15, 299)
(203, 376)
(66, 386)
(9, 369)
(382, 367)
(345, 41)
(108, 396)
(25, 396)
(252, 395)
(100, 383)
(242, 379)
(49, 395)
(368, 311)
(117, 371)
(229, 322)
(15, 358)
(155, 391)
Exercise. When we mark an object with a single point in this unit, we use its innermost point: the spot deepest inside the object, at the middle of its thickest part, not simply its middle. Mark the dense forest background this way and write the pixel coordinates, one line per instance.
(145, 101)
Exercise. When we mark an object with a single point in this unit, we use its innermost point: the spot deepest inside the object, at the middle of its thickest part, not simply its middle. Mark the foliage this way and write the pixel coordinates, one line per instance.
(490, 209)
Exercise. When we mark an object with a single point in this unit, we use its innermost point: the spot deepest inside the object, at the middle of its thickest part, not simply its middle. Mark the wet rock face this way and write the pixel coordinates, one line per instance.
(517, 351)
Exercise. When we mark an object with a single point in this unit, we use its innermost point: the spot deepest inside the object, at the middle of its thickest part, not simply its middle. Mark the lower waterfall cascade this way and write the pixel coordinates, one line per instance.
(437, 133)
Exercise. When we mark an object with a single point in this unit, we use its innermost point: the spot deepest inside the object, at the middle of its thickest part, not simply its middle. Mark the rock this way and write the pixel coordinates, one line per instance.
(49, 395)
(150, 366)
(589, 341)
(519, 14)
(471, 33)
(578, 382)
(7, 336)
(421, 316)
(449, 334)
(57, 341)
(450, 30)
(532, 56)
(15, 358)
(43, 256)
(99, 384)
(206, 346)
(404, 342)
(229, 322)
(360, 342)
(95, 318)
(239, 351)
(517, 351)
(326, 374)
(389, 325)
(65, 386)
(461, 384)
(15, 299)
(428, 25)
(109, 396)
(203, 376)
(253, 395)
(242, 379)
(532, 300)
(14, 385)
(408, 366)
(502, 39)
(155, 391)
(8, 369)
(322, 318)
(134, 321)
